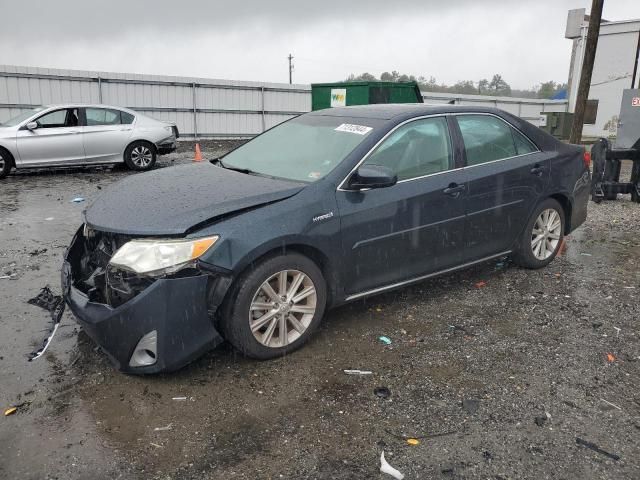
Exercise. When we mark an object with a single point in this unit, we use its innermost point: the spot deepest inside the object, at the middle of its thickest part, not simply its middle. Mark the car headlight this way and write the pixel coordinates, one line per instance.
(160, 257)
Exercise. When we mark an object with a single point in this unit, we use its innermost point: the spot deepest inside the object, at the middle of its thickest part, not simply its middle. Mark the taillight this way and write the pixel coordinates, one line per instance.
(586, 158)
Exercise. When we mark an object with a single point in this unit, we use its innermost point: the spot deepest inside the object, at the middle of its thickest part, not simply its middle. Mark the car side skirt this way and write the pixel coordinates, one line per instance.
(25, 166)
(423, 277)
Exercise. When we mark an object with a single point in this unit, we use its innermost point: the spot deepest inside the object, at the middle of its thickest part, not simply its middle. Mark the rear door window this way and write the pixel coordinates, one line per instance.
(487, 138)
(102, 116)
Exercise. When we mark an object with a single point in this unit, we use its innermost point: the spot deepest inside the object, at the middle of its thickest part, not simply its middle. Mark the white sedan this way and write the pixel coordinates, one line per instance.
(72, 135)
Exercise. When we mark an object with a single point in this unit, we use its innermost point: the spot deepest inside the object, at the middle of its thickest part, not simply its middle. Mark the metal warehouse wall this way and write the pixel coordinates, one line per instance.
(200, 107)
(612, 72)
(529, 109)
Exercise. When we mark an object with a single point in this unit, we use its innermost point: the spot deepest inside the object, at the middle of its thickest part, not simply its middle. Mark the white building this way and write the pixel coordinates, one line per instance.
(615, 69)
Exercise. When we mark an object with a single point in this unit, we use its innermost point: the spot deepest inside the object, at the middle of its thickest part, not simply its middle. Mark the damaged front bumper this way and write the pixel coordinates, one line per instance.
(162, 326)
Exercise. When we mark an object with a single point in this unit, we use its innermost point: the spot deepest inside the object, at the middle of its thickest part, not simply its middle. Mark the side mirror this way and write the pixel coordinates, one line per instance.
(31, 125)
(372, 176)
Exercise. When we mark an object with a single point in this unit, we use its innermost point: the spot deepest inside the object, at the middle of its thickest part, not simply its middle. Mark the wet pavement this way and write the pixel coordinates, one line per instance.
(495, 379)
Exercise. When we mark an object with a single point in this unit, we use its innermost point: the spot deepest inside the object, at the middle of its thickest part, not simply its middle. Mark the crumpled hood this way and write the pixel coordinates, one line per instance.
(170, 201)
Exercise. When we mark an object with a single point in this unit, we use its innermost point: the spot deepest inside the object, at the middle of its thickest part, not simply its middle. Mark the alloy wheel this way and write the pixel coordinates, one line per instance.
(282, 309)
(546, 234)
(141, 156)
(2, 164)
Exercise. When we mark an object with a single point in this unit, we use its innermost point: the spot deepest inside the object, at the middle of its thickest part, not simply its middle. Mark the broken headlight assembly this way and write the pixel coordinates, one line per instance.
(157, 258)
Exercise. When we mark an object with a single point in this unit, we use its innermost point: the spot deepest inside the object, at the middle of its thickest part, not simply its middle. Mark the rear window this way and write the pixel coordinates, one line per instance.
(127, 118)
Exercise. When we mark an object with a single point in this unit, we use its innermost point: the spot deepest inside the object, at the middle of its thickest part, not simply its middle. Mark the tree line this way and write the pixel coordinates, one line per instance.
(496, 86)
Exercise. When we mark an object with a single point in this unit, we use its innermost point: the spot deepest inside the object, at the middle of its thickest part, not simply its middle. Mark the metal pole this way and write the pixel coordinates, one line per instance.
(635, 63)
(99, 90)
(290, 69)
(195, 112)
(262, 107)
(593, 33)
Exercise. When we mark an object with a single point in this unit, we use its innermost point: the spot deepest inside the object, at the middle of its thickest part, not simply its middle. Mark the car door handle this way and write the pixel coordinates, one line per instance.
(454, 190)
(537, 170)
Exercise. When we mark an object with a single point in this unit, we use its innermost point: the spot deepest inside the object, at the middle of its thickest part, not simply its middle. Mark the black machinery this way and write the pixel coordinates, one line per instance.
(607, 159)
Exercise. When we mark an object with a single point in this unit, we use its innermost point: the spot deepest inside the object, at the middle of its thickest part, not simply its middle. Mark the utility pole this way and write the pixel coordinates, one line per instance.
(290, 68)
(587, 69)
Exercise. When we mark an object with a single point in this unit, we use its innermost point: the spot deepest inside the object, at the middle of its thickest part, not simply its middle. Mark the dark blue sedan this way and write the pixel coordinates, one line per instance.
(329, 207)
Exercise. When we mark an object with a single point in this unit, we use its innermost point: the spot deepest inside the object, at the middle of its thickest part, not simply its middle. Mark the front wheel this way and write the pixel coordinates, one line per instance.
(542, 236)
(140, 156)
(274, 308)
(6, 163)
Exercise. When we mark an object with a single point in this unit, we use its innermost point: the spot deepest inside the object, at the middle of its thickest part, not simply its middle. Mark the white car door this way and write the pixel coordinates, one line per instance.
(56, 140)
(106, 134)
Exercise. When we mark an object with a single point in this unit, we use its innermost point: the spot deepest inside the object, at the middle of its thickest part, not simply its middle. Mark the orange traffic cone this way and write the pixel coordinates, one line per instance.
(198, 156)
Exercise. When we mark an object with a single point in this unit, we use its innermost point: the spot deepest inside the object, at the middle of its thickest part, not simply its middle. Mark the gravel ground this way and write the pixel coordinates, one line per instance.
(495, 370)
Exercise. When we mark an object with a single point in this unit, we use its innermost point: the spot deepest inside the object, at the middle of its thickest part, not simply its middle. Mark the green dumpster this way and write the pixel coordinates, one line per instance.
(343, 94)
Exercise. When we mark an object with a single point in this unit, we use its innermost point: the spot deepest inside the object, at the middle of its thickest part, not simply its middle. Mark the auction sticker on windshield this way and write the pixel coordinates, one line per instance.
(350, 128)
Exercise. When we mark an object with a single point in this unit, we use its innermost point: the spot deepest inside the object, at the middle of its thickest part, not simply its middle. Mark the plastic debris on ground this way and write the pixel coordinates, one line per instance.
(611, 404)
(540, 421)
(406, 438)
(179, 399)
(470, 405)
(597, 449)
(10, 411)
(480, 284)
(413, 441)
(55, 305)
(382, 392)
(163, 429)
(388, 469)
(77, 200)
(611, 357)
(358, 372)
(385, 340)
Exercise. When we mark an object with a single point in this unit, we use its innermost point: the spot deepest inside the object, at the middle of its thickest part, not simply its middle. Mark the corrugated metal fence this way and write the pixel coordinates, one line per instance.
(529, 109)
(200, 107)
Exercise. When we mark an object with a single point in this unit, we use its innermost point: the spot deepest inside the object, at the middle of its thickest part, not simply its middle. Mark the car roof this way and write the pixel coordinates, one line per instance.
(86, 105)
(387, 111)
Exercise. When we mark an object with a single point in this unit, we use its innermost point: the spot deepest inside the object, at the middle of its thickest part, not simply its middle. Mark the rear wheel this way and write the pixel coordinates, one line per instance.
(140, 156)
(6, 163)
(274, 308)
(542, 236)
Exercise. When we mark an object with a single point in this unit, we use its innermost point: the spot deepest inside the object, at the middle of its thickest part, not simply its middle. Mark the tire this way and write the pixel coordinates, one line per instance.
(140, 156)
(529, 256)
(268, 314)
(6, 163)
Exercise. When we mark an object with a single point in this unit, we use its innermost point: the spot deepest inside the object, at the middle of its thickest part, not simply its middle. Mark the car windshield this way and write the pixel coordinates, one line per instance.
(22, 117)
(303, 149)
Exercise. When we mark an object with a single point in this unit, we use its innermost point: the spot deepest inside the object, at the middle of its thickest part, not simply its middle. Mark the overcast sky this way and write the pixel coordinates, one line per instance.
(249, 40)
